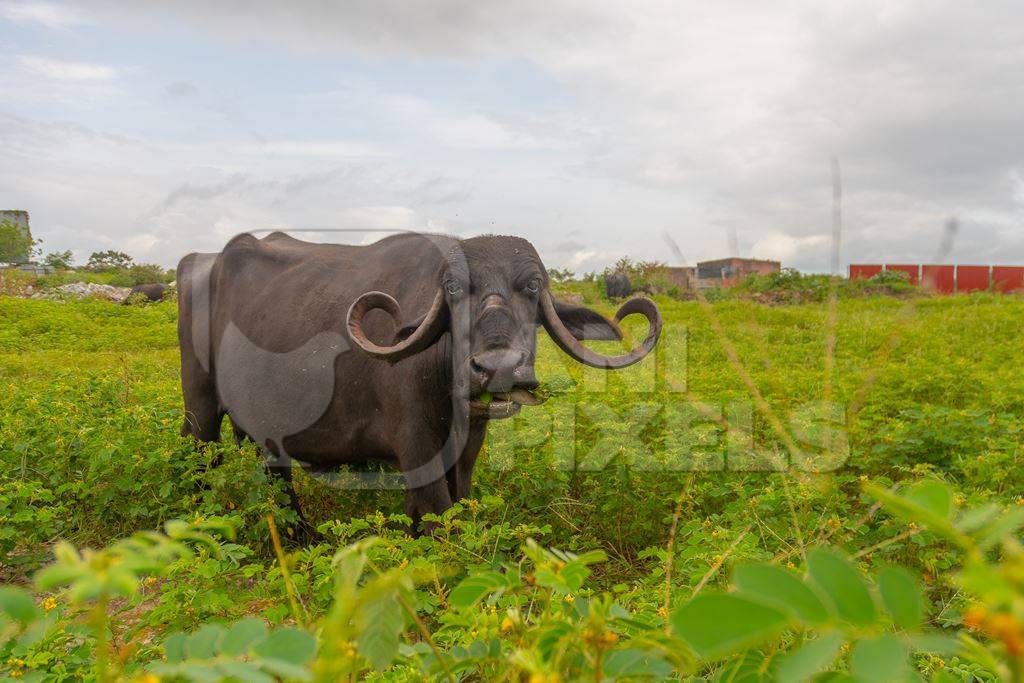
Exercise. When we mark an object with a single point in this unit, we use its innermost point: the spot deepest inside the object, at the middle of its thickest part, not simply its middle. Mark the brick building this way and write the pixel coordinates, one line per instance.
(728, 271)
(20, 219)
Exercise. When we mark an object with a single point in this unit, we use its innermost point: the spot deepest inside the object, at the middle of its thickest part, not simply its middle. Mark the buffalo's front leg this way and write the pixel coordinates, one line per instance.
(280, 468)
(425, 465)
(430, 499)
(460, 474)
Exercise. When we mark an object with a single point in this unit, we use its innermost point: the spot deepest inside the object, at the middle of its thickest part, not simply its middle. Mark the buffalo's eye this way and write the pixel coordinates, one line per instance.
(533, 286)
(453, 287)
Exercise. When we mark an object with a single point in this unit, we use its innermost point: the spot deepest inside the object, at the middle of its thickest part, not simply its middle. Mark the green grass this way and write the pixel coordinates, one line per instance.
(90, 409)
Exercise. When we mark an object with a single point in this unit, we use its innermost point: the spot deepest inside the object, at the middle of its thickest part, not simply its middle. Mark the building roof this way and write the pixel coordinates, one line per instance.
(735, 259)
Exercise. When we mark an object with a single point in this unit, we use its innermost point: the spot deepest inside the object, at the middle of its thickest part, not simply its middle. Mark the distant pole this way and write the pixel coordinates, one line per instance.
(837, 213)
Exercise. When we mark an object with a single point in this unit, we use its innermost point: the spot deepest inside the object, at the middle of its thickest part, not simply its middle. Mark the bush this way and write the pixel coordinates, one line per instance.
(140, 274)
(644, 276)
(790, 286)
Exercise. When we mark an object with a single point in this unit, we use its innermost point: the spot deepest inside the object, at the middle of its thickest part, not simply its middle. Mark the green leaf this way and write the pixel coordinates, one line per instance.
(635, 662)
(972, 520)
(1001, 528)
(56, 575)
(286, 671)
(199, 673)
(717, 624)
(381, 623)
(843, 584)
(174, 648)
(935, 643)
(811, 659)
(933, 496)
(202, 644)
(287, 645)
(926, 510)
(779, 588)
(549, 637)
(474, 588)
(747, 668)
(242, 636)
(17, 604)
(244, 671)
(901, 594)
(881, 659)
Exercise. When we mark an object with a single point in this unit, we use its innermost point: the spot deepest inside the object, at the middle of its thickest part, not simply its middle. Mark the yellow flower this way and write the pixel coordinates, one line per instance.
(507, 625)
(49, 604)
(404, 563)
(662, 612)
(569, 599)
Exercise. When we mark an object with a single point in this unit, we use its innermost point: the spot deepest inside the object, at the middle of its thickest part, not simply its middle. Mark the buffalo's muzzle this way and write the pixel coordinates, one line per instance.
(500, 371)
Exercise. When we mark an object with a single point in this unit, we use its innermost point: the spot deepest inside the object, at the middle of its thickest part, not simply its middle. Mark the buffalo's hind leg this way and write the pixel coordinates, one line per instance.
(203, 415)
(280, 468)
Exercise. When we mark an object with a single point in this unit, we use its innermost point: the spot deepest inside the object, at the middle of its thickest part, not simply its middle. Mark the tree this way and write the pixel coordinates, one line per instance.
(59, 260)
(16, 245)
(564, 275)
(101, 261)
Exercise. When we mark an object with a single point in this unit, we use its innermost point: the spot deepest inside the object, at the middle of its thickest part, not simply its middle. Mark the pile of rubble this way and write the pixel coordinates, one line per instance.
(83, 290)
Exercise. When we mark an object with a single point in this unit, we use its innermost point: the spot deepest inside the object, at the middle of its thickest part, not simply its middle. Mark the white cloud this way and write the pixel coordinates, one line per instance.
(476, 130)
(67, 71)
(48, 14)
(702, 120)
(336, 149)
(783, 247)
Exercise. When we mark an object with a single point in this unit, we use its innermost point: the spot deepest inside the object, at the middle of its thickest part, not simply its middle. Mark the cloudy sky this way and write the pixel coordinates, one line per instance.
(591, 128)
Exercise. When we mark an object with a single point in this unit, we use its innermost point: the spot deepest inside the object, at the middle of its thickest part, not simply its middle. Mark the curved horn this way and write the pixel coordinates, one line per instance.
(572, 346)
(426, 333)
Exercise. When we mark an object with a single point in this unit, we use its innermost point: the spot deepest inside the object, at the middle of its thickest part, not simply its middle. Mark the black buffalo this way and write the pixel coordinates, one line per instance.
(153, 291)
(617, 286)
(398, 352)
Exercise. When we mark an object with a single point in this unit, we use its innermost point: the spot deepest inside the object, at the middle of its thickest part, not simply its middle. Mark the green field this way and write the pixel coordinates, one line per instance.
(671, 469)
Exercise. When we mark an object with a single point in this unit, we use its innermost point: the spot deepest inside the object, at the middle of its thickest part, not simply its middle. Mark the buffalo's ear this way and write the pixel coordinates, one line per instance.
(585, 324)
(405, 331)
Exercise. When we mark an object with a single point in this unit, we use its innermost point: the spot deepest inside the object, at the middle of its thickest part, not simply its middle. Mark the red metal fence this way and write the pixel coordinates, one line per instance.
(863, 271)
(950, 279)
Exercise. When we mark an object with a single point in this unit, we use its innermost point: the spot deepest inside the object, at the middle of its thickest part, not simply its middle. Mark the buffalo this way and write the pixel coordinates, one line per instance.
(153, 291)
(398, 352)
(618, 286)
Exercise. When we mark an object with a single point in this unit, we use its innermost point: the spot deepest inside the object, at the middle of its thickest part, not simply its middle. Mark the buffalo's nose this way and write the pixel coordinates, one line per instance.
(502, 370)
